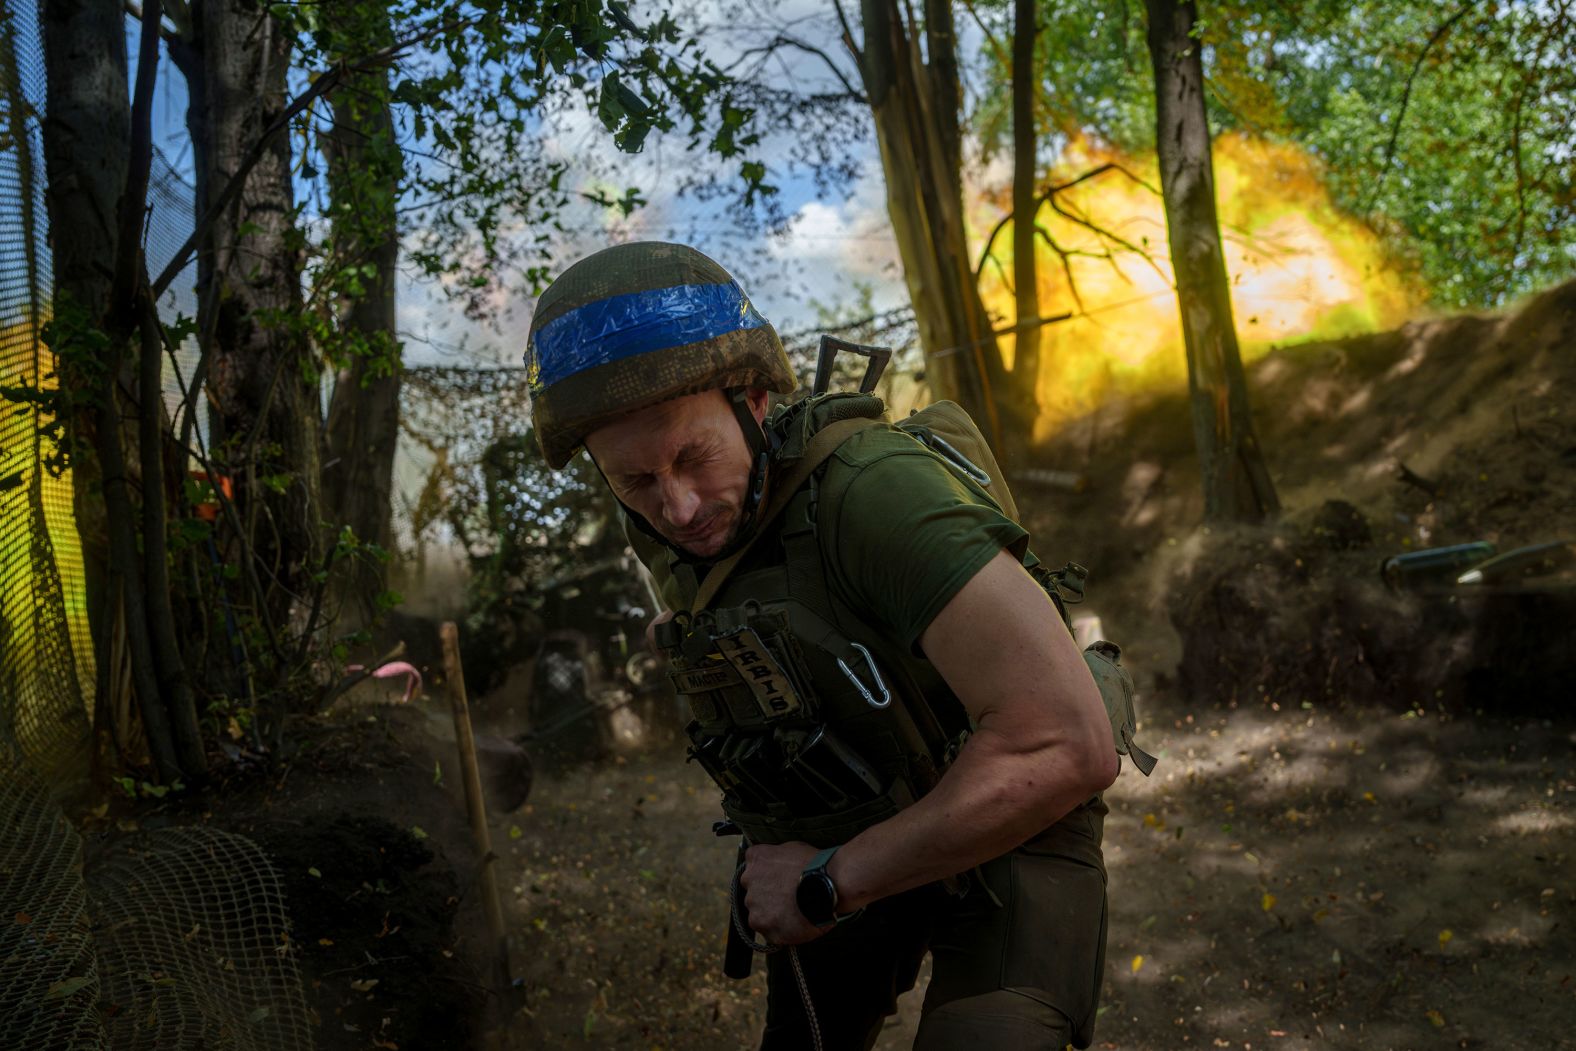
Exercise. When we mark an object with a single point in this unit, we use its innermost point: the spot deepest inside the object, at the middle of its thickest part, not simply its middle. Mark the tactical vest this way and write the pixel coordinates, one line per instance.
(813, 723)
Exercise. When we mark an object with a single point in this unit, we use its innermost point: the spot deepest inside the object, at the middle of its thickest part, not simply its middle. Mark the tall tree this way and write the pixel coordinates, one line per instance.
(1025, 204)
(909, 69)
(1237, 484)
(267, 429)
(364, 173)
(104, 320)
(86, 133)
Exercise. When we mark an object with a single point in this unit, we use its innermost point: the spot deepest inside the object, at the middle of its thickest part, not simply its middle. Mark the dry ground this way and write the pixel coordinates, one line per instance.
(1288, 879)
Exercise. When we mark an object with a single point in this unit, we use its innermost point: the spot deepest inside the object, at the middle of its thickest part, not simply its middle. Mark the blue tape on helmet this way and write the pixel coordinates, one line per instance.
(632, 324)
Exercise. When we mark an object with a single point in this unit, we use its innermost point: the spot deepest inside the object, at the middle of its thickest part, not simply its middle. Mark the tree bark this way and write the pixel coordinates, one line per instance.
(86, 132)
(175, 688)
(916, 107)
(364, 170)
(1237, 484)
(263, 381)
(1025, 202)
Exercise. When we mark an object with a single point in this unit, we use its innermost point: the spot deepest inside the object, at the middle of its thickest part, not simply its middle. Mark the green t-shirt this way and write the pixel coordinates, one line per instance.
(901, 532)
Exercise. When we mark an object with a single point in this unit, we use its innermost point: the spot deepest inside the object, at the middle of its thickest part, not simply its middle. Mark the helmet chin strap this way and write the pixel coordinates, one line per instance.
(760, 460)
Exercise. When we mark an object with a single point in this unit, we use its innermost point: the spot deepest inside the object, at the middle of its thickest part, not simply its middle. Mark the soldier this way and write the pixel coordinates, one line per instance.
(904, 731)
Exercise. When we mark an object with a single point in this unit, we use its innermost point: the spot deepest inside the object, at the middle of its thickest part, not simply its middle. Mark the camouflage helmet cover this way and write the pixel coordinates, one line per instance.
(638, 324)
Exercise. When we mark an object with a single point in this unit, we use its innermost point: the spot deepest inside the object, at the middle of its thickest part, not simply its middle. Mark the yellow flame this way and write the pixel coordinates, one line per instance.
(1300, 270)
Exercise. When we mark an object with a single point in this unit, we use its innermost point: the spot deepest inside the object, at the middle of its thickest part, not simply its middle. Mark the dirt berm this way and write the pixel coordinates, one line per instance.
(1443, 432)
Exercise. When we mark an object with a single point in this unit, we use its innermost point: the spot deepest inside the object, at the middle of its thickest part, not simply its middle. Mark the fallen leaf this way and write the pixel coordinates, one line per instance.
(1138, 962)
(259, 1014)
(67, 988)
(314, 873)
(325, 941)
(23, 918)
(364, 985)
(1370, 797)
(514, 832)
(1445, 936)
(417, 832)
(1268, 901)
(1151, 821)
(1436, 1018)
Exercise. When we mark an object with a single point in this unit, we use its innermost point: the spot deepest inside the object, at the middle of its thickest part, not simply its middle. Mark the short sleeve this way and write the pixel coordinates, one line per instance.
(907, 533)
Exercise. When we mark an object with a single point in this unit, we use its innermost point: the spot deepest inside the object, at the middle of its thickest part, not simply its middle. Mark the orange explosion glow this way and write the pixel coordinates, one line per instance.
(1300, 270)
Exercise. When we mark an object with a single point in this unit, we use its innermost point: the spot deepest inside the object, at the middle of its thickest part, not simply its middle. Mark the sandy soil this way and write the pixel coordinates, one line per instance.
(1291, 879)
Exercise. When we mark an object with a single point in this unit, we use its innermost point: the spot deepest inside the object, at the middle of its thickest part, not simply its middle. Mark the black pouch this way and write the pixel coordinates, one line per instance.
(831, 771)
(828, 830)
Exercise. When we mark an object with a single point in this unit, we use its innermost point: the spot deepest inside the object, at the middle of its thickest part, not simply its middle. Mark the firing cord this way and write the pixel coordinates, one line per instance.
(767, 948)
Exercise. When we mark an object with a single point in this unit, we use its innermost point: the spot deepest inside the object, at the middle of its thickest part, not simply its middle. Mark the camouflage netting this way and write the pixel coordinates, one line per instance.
(44, 654)
(49, 980)
(180, 941)
(194, 946)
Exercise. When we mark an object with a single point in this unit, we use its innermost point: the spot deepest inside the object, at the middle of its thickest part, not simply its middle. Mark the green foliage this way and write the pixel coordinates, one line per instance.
(1471, 184)
(1479, 187)
(472, 102)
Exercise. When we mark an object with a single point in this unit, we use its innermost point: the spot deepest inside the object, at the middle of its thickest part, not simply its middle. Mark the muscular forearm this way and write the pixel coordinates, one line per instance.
(996, 795)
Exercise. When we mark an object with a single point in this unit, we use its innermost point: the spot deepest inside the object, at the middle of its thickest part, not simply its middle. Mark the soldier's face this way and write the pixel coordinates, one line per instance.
(683, 466)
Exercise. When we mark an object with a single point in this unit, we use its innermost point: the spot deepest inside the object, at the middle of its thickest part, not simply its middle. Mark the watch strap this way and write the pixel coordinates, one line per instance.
(820, 861)
(817, 867)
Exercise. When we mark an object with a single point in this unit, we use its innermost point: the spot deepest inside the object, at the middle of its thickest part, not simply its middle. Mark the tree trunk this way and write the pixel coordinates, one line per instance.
(916, 107)
(364, 169)
(88, 148)
(86, 132)
(266, 416)
(1237, 484)
(1025, 275)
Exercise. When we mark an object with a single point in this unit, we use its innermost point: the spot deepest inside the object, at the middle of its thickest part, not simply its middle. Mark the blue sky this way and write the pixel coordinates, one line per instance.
(830, 250)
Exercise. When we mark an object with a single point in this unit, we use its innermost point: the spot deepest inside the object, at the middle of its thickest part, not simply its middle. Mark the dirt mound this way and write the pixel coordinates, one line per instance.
(1445, 431)
(378, 870)
(1276, 616)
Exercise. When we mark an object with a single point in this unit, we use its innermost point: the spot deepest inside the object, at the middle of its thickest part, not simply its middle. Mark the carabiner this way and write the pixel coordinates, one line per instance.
(864, 691)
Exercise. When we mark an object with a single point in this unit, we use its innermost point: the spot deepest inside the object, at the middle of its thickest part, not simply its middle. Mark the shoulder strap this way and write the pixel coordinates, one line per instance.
(818, 450)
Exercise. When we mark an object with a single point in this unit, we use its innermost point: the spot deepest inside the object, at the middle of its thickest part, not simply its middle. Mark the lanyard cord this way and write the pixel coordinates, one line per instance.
(767, 948)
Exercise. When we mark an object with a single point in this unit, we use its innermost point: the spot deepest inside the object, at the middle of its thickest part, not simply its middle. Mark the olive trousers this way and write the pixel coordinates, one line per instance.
(1016, 962)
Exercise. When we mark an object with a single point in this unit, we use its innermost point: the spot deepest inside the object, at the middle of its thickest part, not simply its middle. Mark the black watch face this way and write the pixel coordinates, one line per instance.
(817, 898)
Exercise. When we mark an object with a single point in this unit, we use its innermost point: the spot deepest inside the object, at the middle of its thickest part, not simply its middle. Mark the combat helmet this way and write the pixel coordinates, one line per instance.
(642, 323)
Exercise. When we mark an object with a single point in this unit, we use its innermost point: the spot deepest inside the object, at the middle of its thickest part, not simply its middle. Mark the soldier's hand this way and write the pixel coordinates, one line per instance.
(771, 883)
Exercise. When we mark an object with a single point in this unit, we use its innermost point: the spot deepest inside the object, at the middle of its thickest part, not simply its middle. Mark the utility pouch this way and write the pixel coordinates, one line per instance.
(828, 830)
(831, 770)
(1116, 690)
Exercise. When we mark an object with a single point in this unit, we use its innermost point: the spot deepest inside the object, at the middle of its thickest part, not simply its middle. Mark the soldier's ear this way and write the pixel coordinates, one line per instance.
(757, 399)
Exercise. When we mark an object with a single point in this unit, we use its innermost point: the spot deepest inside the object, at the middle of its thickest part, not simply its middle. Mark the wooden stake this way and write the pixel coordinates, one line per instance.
(476, 807)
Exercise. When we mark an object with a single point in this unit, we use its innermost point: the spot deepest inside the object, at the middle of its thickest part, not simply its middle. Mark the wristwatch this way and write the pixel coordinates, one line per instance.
(817, 894)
